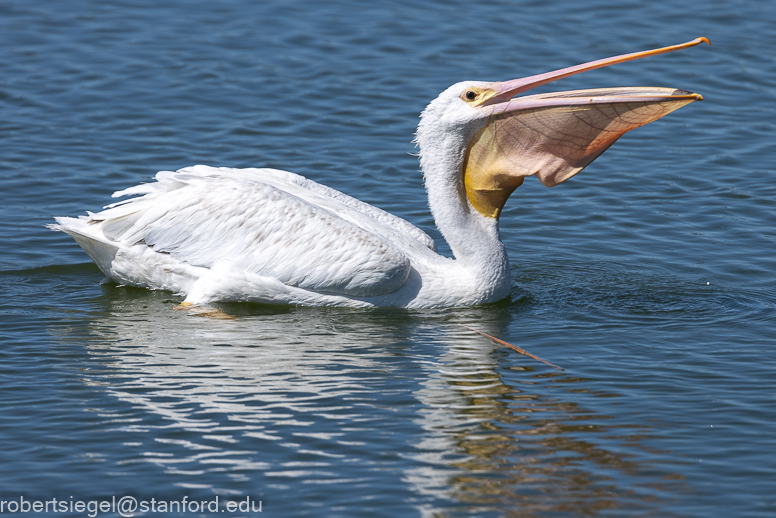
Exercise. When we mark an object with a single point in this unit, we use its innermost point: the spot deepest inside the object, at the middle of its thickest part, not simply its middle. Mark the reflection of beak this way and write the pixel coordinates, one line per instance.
(508, 89)
(556, 135)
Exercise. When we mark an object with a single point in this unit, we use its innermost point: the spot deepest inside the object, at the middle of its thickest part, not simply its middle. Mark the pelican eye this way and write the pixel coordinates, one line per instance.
(475, 96)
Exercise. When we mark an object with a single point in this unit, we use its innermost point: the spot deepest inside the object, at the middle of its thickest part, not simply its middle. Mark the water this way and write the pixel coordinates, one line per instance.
(649, 277)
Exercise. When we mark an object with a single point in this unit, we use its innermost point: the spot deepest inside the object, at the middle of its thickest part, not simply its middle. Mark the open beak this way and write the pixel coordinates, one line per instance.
(556, 135)
(505, 90)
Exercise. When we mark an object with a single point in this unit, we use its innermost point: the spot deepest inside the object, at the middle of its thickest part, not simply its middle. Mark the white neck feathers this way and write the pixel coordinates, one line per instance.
(473, 238)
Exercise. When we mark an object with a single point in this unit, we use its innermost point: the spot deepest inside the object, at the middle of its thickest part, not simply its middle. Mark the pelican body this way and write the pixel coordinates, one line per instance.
(270, 236)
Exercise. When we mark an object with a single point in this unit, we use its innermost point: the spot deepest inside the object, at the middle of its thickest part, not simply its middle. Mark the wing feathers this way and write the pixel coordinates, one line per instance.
(269, 225)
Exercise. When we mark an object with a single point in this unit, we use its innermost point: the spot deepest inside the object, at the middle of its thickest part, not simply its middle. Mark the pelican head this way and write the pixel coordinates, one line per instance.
(496, 139)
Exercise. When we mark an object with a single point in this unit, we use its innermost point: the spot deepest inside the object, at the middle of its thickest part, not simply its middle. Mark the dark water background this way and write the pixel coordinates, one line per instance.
(650, 277)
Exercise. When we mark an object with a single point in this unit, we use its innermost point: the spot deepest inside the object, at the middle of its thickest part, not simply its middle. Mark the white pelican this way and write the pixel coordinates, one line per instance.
(263, 235)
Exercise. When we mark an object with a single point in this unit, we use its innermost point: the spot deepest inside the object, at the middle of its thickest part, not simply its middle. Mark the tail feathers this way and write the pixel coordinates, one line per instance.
(100, 250)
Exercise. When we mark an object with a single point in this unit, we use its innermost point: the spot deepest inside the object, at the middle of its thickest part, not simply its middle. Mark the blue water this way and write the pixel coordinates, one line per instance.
(650, 277)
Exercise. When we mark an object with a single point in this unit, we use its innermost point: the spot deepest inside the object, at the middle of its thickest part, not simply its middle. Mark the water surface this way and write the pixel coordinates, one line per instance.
(649, 277)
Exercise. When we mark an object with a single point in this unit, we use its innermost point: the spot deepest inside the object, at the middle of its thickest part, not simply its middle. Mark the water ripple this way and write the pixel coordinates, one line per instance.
(649, 276)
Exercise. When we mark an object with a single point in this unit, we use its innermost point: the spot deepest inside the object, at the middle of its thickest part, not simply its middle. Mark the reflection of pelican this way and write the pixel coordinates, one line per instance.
(318, 400)
(272, 236)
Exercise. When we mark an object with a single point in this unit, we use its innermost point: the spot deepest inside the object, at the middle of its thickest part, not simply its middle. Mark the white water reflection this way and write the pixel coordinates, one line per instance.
(411, 405)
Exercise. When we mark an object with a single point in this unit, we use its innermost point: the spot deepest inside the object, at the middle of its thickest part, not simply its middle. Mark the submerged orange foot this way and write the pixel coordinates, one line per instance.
(203, 311)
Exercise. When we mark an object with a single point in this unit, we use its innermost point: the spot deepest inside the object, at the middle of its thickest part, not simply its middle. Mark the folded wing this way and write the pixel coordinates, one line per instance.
(272, 228)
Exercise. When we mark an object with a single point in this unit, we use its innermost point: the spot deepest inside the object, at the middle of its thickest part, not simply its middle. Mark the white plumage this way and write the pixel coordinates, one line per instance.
(264, 235)
(254, 235)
